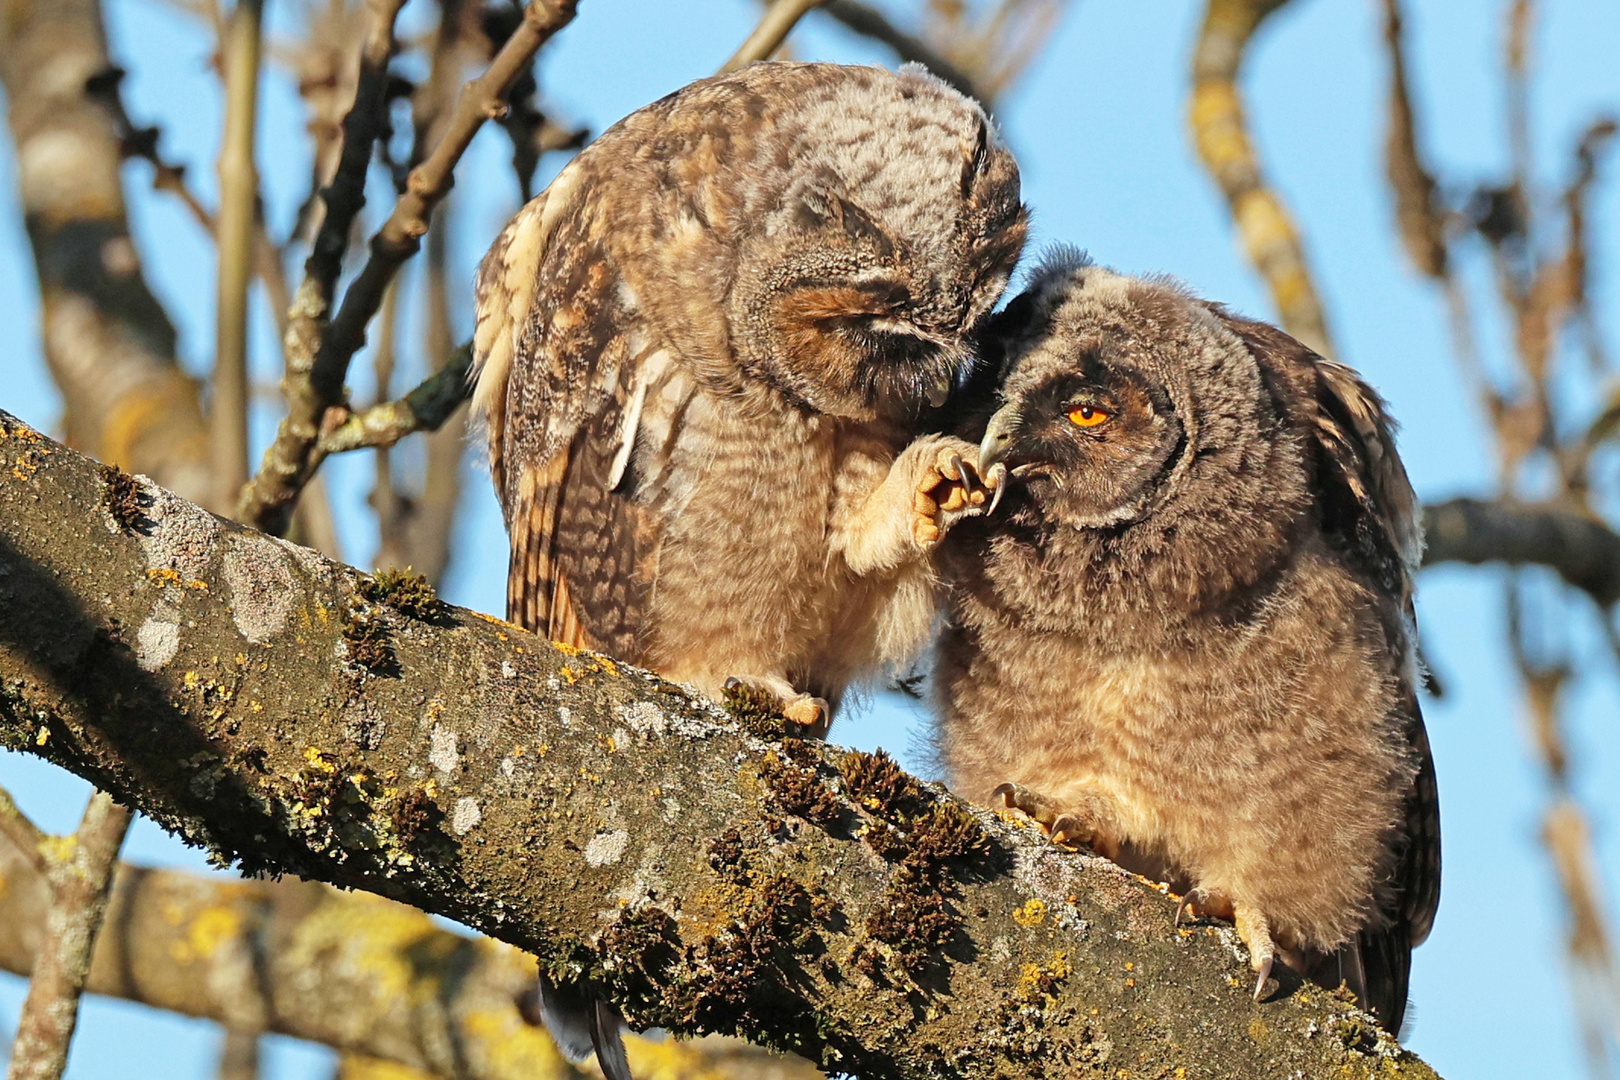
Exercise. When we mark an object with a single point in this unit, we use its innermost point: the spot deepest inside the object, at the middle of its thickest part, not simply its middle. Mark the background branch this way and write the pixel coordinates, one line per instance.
(1221, 133)
(236, 242)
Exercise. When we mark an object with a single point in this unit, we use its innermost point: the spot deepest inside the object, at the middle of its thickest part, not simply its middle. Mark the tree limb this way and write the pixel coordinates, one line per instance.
(109, 344)
(1220, 131)
(1584, 551)
(350, 970)
(295, 717)
(292, 458)
(78, 870)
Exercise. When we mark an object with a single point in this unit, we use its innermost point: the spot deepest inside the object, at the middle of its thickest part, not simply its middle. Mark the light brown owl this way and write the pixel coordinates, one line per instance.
(704, 354)
(1187, 641)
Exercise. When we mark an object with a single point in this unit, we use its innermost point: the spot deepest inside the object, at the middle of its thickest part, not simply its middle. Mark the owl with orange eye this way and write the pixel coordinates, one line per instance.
(1186, 639)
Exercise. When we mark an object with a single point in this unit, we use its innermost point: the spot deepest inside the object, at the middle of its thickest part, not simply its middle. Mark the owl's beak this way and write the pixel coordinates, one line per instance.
(997, 441)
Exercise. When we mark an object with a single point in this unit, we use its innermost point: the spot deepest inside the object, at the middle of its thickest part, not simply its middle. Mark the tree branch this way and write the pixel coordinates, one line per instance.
(294, 716)
(236, 242)
(295, 454)
(1584, 551)
(349, 970)
(78, 870)
(109, 343)
(1220, 131)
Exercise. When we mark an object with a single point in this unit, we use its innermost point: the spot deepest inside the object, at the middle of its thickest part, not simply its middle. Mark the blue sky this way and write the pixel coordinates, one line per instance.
(1099, 127)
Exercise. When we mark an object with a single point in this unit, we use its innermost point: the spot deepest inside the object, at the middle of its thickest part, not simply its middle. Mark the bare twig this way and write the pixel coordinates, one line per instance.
(268, 499)
(779, 20)
(23, 833)
(80, 874)
(167, 176)
(236, 242)
(425, 408)
(1221, 133)
(312, 390)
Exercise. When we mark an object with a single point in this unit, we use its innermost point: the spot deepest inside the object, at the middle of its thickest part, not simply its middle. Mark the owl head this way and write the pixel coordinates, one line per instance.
(1125, 401)
(881, 239)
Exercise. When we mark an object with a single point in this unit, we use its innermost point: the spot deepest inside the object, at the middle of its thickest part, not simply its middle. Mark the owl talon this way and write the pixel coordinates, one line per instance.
(1263, 975)
(996, 481)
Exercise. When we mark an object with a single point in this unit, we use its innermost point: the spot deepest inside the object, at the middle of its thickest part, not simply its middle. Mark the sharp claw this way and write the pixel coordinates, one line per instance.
(733, 683)
(996, 480)
(1183, 906)
(1007, 793)
(953, 462)
(1260, 983)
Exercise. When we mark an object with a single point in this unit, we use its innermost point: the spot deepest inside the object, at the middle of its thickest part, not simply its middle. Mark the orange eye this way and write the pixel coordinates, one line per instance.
(1088, 416)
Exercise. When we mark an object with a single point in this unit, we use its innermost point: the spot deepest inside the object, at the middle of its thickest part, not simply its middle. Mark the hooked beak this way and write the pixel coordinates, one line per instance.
(997, 441)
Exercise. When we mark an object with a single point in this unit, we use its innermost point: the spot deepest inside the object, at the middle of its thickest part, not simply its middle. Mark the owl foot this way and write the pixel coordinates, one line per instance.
(1065, 829)
(948, 489)
(1255, 931)
(812, 716)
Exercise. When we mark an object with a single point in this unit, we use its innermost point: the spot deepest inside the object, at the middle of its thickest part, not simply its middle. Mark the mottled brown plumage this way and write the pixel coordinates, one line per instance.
(705, 352)
(1188, 635)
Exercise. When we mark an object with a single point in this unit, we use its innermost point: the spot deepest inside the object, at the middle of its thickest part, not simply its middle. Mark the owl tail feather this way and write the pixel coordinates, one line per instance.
(583, 1023)
(1374, 965)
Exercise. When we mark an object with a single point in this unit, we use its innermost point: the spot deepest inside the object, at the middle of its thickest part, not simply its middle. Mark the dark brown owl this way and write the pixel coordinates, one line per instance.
(1186, 640)
(705, 353)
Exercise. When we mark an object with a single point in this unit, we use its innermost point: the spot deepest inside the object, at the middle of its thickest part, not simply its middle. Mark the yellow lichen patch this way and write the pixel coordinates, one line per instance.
(566, 649)
(162, 575)
(212, 927)
(1258, 1030)
(59, 850)
(43, 737)
(511, 1048)
(570, 674)
(1031, 914)
(608, 666)
(355, 1067)
(396, 952)
(319, 759)
(669, 1059)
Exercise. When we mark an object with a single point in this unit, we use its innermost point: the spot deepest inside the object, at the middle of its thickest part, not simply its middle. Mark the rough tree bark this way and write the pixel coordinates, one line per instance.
(294, 716)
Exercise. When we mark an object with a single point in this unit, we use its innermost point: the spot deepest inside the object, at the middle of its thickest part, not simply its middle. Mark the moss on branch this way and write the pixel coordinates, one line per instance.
(598, 816)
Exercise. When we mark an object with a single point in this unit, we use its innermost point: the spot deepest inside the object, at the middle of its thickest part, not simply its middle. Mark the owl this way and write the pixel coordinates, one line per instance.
(705, 357)
(1186, 641)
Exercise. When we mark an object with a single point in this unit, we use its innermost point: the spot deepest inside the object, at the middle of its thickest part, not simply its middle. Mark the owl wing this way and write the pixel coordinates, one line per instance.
(560, 385)
(1370, 511)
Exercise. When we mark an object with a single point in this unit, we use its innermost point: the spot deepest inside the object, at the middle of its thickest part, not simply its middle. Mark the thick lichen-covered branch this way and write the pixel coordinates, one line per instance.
(1221, 133)
(295, 716)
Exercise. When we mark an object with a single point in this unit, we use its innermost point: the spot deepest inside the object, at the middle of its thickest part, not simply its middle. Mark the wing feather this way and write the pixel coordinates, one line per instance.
(557, 379)
(1370, 511)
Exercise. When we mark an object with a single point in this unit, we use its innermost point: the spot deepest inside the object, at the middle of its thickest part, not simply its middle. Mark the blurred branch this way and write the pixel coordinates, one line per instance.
(779, 20)
(142, 142)
(316, 386)
(869, 22)
(1584, 551)
(348, 970)
(78, 873)
(235, 243)
(238, 1054)
(109, 343)
(1220, 131)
